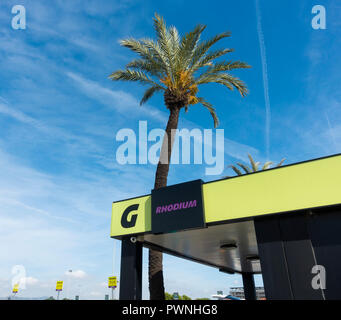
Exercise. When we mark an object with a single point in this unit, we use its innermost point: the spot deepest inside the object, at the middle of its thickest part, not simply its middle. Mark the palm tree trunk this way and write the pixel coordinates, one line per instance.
(156, 285)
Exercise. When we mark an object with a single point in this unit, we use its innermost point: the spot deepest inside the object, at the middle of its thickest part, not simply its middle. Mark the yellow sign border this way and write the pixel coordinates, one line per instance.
(15, 288)
(112, 282)
(59, 285)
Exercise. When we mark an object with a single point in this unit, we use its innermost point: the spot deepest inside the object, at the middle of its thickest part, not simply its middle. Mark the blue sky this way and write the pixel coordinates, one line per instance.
(59, 115)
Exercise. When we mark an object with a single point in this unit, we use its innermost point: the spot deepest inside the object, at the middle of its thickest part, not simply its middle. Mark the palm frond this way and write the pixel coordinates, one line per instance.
(158, 54)
(137, 46)
(149, 93)
(205, 78)
(210, 108)
(202, 48)
(254, 166)
(253, 163)
(244, 167)
(188, 44)
(207, 60)
(235, 82)
(225, 79)
(175, 46)
(267, 165)
(144, 65)
(132, 75)
(164, 40)
(227, 66)
(281, 162)
(148, 50)
(236, 170)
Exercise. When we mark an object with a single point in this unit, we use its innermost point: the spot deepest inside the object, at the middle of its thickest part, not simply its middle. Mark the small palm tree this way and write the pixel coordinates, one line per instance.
(176, 66)
(254, 166)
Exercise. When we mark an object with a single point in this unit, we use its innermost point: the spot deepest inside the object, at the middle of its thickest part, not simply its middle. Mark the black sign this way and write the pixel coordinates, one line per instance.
(178, 207)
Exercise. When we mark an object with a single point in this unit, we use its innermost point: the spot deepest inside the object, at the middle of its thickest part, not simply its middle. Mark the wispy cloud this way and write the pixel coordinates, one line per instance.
(20, 116)
(121, 101)
(265, 78)
(332, 135)
(80, 143)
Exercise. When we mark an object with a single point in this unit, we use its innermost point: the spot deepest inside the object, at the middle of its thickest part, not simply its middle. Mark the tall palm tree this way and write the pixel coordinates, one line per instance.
(176, 66)
(254, 166)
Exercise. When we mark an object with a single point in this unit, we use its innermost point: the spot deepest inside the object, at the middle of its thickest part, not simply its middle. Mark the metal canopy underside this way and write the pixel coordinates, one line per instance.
(203, 245)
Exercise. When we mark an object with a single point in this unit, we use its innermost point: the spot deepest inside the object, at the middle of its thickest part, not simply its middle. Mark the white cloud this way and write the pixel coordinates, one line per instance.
(30, 281)
(80, 274)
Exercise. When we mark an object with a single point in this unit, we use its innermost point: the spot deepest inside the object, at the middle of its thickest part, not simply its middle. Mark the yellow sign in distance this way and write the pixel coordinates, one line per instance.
(112, 282)
(59, 286)
(15, 288)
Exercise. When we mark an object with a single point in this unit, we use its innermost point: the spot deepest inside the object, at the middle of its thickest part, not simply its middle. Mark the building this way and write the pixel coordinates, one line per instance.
(283, 223)
(238, 292)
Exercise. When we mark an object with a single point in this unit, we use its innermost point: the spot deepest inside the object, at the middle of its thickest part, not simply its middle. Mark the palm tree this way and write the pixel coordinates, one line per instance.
(254, 166)
(176, 66)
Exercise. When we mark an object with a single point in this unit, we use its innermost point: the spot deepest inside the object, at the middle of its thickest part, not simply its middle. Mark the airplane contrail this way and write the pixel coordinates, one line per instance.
(265, 78)
(331, 131)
